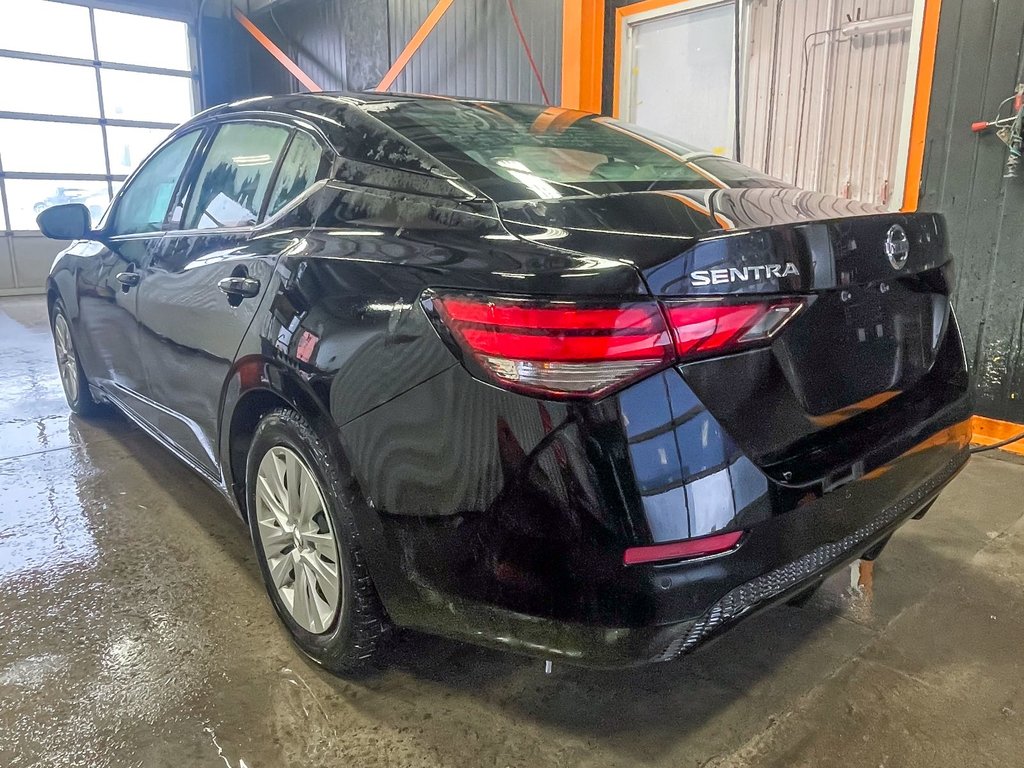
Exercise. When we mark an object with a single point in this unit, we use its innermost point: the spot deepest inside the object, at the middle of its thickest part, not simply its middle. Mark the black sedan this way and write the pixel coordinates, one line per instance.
(526, 377)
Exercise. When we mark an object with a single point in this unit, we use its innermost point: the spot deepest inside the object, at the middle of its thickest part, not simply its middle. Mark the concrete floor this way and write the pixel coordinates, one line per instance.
(134, 631)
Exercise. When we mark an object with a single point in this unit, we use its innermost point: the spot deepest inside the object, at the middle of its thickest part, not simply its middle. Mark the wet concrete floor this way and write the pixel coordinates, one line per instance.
(134, 631)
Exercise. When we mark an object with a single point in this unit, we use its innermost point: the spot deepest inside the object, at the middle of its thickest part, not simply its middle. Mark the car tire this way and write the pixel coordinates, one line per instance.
(285, 456)
(69, 367)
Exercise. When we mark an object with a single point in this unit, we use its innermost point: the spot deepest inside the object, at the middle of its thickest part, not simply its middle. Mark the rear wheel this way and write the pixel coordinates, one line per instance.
(72, 377)
(307, 545)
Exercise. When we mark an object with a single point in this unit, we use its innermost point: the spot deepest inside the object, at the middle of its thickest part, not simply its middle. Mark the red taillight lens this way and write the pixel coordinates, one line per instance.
(701, 327)
(681, 550)
(575, 349)
(558, 348)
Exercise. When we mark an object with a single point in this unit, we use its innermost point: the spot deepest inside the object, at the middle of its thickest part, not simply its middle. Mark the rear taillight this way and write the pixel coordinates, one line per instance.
(568, 349)
(709, 327)
(558, 348)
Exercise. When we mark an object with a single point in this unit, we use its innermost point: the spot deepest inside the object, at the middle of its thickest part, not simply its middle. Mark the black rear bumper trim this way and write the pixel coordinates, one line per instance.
(771, 585)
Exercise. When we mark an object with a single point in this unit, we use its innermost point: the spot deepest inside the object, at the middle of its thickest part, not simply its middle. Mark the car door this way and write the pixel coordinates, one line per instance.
(110, 270)
(200, 292)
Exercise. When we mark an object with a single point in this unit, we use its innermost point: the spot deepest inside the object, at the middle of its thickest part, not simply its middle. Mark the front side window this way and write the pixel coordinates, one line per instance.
(298, 171)
(232, 184)
(143, 206)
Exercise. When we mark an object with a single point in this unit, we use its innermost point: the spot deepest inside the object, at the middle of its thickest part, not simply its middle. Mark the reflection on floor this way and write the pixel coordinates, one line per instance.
(134, 631)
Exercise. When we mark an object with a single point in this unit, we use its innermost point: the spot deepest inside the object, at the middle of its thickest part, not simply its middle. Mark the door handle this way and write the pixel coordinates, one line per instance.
(241, 287)
(128, 279)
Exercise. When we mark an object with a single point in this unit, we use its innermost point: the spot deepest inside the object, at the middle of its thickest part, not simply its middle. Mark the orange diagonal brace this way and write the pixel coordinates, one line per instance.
(277, 53)
(414, 43)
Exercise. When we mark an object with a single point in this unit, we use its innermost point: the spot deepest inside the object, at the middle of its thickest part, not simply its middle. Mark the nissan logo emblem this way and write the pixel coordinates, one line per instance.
(897, 246)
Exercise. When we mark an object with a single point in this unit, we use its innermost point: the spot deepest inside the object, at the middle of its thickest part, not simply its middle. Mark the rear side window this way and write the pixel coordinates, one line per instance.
(143, 204)
(298, 171)
(232, 184)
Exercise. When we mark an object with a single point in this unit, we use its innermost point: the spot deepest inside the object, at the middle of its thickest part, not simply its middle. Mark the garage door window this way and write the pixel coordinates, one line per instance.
(87, 94)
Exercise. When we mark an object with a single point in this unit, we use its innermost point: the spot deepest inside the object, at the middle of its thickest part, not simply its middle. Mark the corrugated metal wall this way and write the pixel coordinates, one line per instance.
(821, 110)
(341, 44)
(475, 51)
(977, 64)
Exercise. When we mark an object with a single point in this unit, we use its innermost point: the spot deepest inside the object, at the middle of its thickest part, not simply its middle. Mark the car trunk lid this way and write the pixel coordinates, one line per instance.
(875, 323)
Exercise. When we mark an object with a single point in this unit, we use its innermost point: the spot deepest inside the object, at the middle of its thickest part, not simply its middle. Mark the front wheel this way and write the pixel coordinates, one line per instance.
(72, 377)
(307, 546)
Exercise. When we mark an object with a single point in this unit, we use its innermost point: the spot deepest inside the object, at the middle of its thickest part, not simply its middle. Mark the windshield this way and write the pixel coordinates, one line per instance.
(520, 151)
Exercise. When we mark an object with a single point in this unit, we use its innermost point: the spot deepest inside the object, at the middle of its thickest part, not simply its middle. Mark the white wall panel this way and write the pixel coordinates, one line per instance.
(30, 258)
(6, 265)
(821, 109)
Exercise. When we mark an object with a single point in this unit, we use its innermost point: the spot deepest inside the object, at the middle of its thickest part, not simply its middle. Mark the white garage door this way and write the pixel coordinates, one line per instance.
(85, 94)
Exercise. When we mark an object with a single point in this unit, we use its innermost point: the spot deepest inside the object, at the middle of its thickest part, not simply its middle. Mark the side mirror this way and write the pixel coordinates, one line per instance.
(65, 222)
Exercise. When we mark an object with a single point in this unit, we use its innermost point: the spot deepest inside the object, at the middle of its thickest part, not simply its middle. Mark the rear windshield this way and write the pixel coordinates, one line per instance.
(519, 151)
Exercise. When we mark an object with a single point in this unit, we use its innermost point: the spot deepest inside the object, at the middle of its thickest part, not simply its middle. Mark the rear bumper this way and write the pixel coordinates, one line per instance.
(781, 583)
(507, 526)
(827, 534)
(699, 600)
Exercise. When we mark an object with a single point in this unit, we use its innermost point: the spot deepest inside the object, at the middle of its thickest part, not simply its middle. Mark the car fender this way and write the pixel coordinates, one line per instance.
(256, 375)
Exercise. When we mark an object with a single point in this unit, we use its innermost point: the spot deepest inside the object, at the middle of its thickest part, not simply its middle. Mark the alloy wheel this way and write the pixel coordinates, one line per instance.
(298, 539)
(67, 362)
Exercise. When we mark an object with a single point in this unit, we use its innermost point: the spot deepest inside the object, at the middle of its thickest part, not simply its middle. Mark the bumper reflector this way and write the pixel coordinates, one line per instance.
(681, 550)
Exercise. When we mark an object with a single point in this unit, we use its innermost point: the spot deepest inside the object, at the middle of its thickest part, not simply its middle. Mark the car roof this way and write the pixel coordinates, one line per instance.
(320, 107)
(356, 99)
(326, 109)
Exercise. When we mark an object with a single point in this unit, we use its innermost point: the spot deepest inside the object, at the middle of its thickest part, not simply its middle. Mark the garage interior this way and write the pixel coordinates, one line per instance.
(134, 628)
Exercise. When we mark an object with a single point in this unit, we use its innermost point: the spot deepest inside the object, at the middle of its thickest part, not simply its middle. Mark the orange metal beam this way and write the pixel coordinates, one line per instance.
(277, 53)
(648, 5)
(988, 431)
(582, 53)
(414, 43)
(922, 100)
